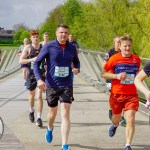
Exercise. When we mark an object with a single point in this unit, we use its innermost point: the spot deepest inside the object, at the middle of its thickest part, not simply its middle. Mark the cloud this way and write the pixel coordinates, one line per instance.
(29, 12)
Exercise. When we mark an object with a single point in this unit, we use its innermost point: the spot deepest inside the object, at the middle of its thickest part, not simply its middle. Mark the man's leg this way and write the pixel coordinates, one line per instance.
(65, 125)
(39, 107)
(130, 127)
(51, 118)
(31, 104)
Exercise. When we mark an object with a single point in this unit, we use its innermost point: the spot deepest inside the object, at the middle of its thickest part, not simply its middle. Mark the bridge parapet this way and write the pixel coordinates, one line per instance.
(9, 62)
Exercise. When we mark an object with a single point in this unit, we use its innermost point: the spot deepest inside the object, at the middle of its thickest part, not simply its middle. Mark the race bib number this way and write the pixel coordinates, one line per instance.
(61, 71)
(129, 79)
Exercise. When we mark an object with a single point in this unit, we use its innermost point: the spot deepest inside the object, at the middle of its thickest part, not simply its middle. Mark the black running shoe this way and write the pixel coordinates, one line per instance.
(127, 148)
(31, 116)
(39, 122)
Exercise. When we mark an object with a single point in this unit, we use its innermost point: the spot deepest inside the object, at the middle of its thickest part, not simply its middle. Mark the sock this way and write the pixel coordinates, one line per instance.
(31, 109)
(127, 145)
(39, 114)
(115, 125)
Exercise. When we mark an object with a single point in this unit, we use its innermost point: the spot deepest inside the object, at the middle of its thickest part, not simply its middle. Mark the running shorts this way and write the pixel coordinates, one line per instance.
(31, 82)
(64, 95)
(118, 102)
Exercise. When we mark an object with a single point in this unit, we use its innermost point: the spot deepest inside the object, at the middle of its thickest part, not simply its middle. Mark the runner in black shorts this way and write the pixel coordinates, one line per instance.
(59, 55)
(28, 56)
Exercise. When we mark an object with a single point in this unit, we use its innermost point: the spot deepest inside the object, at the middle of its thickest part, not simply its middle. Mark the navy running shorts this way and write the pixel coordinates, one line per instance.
(31, 82)
(64, 95)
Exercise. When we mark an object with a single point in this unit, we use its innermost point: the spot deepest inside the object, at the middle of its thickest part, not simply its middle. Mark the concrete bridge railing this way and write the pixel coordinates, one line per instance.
(9, 62)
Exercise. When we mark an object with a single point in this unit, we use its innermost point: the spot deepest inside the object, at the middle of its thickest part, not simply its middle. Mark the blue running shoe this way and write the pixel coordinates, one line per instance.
(65, 147)
(49, 136)
(127, 148)
(112, 130)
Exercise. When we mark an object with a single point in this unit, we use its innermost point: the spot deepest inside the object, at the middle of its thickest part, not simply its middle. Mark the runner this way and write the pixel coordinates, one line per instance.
(73, 42)
(45, 38)
(24, 66)
(59, 55)
(28, 57)
(124, 67)
(141, 76)
(110, 53)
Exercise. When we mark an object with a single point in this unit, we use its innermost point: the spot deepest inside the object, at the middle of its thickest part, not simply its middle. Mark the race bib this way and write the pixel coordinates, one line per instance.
(129, 79)
(61, 71)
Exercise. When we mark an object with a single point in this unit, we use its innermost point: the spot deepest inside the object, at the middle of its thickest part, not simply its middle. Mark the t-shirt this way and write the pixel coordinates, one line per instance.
(117, 64)
(110, 53)
(147, 68)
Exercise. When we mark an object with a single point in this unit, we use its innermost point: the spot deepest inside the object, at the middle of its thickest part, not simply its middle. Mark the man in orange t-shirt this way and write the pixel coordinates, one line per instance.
(124, 67)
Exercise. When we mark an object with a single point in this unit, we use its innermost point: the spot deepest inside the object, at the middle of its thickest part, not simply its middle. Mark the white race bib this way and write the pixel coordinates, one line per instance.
(61, 71)
(129, 79)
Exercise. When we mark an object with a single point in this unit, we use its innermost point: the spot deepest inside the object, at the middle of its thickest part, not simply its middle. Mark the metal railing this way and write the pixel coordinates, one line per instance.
(91, 68)
(9, 62)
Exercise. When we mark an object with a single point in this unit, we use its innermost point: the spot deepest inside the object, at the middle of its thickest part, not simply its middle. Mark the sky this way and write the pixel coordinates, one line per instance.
(29, 12)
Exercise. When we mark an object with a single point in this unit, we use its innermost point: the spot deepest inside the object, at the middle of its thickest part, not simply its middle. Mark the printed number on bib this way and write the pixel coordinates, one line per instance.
(129, 79)
(61, 71)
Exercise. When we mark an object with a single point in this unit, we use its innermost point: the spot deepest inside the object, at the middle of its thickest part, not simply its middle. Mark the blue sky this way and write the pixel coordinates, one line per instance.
(29, 12)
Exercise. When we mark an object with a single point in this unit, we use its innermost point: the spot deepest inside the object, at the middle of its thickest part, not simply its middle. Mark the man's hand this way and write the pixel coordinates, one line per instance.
(75, 71)
(41, 84)
(121, 76)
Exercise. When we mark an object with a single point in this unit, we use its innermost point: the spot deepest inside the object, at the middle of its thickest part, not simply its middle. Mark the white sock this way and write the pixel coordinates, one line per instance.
(39, 114)
(127, 145)
(31, 109)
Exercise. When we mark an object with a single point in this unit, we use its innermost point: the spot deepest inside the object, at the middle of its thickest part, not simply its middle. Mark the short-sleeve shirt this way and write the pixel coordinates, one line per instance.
(147, 68)
(117, 64)
(110, 53)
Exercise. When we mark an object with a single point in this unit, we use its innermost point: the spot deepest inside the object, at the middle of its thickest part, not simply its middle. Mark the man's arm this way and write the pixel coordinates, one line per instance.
(138, 81)
(76, 64)
(25, 53)
(40, 58)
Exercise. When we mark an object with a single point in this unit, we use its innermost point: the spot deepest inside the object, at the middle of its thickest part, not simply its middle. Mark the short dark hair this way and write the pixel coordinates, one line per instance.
(63, 26)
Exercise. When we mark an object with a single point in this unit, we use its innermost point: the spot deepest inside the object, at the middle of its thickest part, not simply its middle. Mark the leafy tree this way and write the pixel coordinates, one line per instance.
(17, 36)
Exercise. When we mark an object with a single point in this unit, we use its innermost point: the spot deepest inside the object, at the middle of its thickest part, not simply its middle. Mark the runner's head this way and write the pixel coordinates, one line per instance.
(116, 43)
(26, 41)
(46, 36)
(71, 38)
(125, 45)
(34, 36)
(62, 33)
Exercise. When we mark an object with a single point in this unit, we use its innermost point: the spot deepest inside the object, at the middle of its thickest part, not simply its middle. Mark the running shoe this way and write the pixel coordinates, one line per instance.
(39, 122)
(49, 136)
(123, 121)
(65, 147)
(112, 130)
(25, 83)
(128, 148)
(110, 114)
(31, 116)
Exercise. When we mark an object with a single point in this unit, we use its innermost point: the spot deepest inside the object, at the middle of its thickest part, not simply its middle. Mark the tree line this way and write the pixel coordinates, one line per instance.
(97, 22)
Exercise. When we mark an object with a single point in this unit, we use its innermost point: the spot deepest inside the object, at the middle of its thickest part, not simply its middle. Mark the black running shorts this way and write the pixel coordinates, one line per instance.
(64, 95)
(31, 82)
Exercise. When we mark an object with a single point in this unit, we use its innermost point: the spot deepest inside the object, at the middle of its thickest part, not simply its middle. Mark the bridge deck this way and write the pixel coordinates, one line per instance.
(89, 121)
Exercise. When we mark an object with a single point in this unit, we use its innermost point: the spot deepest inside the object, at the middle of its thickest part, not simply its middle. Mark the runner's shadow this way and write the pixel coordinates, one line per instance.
(78, 146)
(139, 122)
